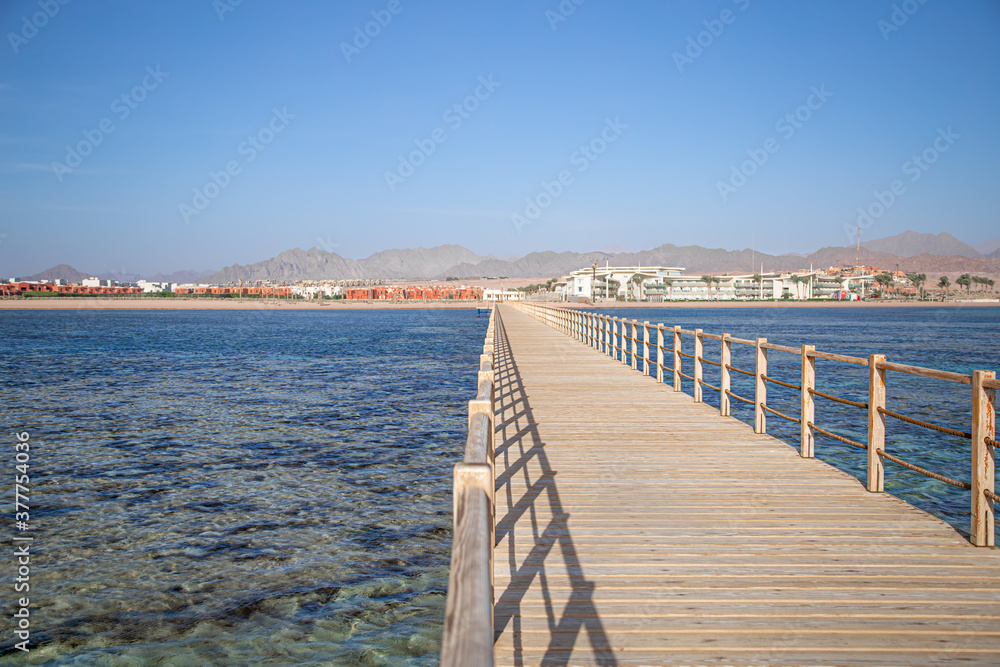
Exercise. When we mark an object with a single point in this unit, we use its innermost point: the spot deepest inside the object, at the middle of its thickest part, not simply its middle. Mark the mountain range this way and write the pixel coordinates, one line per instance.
(909, 251)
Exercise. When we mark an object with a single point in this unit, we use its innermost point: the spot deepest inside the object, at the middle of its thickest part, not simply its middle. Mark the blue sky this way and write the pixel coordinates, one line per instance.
(643, 125)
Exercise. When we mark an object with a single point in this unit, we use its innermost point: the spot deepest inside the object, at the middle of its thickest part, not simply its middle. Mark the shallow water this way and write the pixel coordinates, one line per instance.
(242, 487)
(953, 339)
(269, 488)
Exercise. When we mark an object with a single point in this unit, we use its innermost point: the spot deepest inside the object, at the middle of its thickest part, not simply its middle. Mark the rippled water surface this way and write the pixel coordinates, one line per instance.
(954, 339)
(267, 488)
(238, 488)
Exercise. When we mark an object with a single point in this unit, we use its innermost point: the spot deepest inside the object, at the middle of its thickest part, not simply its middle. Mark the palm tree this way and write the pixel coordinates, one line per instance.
(885, 280)
(638, 287)
(669, 282)
(794, 279)
(718, 281)
(944, 284)
(708, 284)
(965, 280)
(759, 279)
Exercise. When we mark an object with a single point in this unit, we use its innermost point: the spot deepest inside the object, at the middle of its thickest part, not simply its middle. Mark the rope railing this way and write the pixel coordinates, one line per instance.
(920, 422)
(797, 387)
(710, 386)
(648, 348)
(838, 399)
(829, 434)
(924, 471)
(795, 420)
(738, 397)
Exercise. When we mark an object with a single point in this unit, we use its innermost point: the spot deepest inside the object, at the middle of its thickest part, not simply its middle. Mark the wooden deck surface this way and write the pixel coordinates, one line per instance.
(635, 527)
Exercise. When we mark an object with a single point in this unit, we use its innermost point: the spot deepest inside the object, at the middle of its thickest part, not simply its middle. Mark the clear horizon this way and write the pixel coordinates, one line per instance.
(197, 135)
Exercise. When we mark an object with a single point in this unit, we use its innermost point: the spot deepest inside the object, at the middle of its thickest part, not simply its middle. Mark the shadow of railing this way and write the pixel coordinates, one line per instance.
(524, 445)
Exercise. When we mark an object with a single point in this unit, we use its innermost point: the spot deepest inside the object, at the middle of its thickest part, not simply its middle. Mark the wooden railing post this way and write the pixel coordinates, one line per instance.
(614, 338)
(807, 410)
(608, 340)
(983, 459)
(699, 349)
(645, 348)
(760, 390)
(635, 345)
(876, 423)
(659, 352)
(677, 358)
(725, 381)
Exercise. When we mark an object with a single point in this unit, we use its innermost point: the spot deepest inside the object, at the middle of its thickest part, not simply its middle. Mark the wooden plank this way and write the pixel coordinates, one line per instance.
(620, 541)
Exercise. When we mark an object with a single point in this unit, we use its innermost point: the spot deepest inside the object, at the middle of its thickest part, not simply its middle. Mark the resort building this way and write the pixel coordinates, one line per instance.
(657, 284)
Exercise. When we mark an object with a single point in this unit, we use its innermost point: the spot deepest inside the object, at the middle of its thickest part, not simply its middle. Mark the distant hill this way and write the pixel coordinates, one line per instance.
(988, 248)
(909, 251)
(316, 264)
(911, 244)
(60, 272)
(180, 277)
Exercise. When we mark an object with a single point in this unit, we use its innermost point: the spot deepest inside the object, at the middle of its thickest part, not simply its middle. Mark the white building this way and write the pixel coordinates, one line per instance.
(148, 287)
(94, 281)
(657, 284)
(493, 294)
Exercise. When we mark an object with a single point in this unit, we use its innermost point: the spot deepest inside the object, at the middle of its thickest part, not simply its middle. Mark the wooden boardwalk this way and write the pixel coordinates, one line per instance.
(635, 527)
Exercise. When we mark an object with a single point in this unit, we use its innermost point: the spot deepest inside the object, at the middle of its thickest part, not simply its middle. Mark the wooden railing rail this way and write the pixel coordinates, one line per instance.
(622, 341)
(468, 626)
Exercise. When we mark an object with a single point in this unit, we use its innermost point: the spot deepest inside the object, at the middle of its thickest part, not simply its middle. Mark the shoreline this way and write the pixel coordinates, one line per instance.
(205, 304)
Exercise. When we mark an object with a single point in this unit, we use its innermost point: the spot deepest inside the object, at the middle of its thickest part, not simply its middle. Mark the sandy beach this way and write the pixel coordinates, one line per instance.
(222, 304)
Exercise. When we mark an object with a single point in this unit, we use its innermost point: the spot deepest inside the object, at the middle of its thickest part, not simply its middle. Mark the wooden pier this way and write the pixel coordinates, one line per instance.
(636, 526)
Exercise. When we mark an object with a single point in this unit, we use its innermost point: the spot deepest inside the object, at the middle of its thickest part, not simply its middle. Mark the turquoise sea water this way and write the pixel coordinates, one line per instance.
(273, 488)
(238, 488)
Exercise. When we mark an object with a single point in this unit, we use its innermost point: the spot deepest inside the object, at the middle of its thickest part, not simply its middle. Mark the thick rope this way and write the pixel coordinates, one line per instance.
(739, 370)
(710, 386)
(828, 434)
(709, 361)
(924, 471)
(933, 427)
(837, 399)
(783, 384)
(781, 414)
(738, 397)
